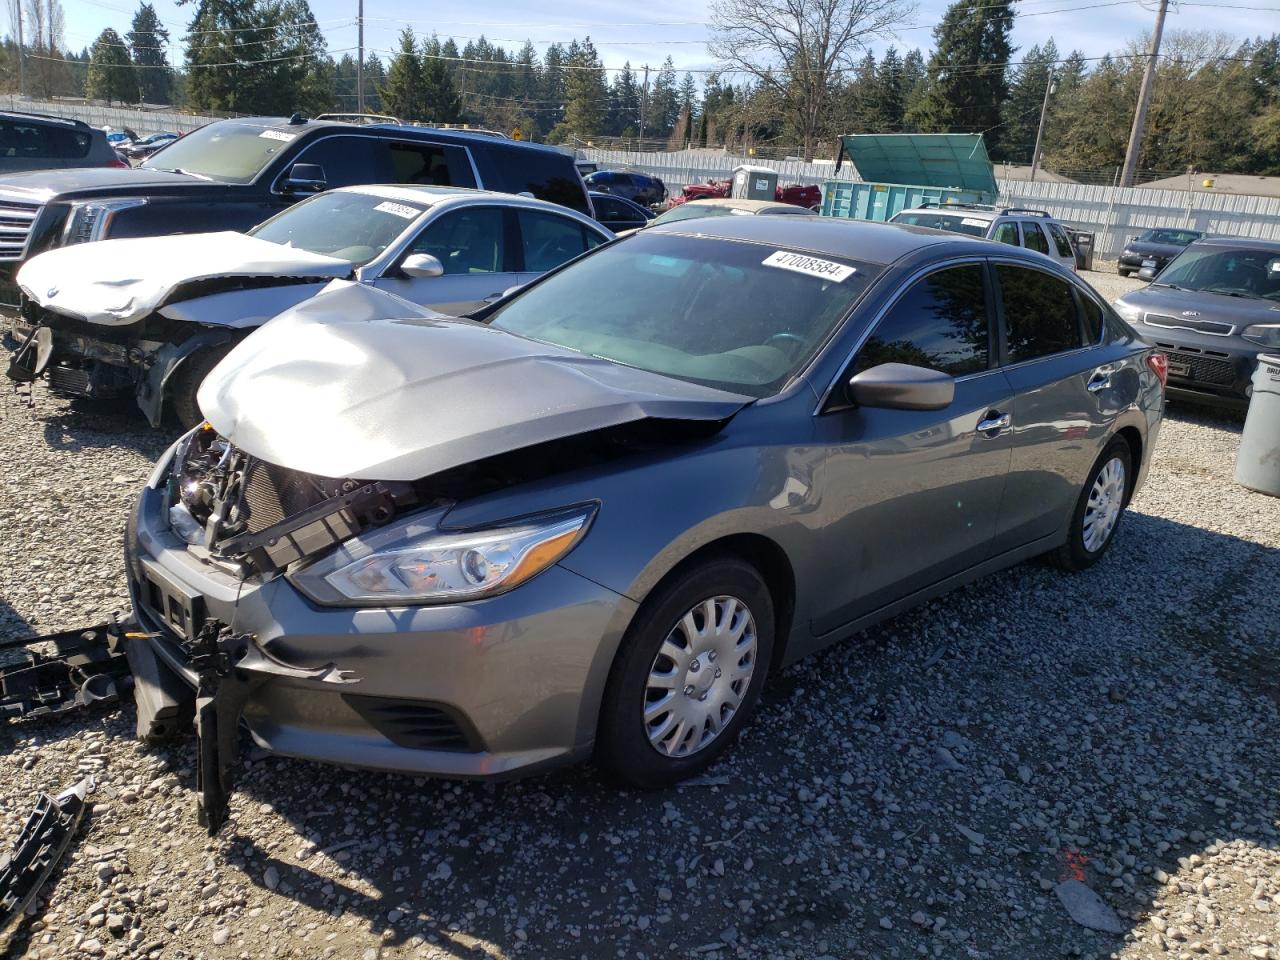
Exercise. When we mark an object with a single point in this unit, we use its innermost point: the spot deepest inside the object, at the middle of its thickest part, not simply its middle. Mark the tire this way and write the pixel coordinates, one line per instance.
(624, 747)
(1122, 271)
(1083, 549)
(184, 384)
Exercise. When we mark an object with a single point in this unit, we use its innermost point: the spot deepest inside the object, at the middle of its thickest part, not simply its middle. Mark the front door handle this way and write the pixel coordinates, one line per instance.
(1101, 380)
(994, 424)
(493, 296)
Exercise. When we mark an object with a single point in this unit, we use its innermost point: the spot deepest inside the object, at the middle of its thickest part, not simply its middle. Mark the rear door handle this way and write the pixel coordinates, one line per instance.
(1101, 379)
(993, 424)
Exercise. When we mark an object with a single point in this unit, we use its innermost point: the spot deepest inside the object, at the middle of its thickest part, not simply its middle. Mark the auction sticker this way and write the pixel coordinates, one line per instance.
(277, 135)
(973, 222)
(813, 266)
(399, 209)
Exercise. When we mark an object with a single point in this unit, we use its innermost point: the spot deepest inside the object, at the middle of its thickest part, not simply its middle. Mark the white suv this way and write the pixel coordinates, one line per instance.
(1033, 229)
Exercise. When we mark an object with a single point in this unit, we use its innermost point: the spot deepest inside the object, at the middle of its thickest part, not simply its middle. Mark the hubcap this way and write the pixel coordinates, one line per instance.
(1106, 500)
(700, 676)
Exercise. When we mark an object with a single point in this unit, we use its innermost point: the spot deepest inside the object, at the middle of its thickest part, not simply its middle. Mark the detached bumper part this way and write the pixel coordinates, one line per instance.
(84, 667)
(38, 848)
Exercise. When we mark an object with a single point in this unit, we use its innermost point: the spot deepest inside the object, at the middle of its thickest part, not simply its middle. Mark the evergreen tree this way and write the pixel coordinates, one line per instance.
(440, 100)
(688, 105)
(966, 75)
(890, 91)
(624, 102)
(915, 85)
(586, 92)
(551, 108)
(664, 104)
(112, 75)
(1027, 83)
(147, 41)
(403, 94)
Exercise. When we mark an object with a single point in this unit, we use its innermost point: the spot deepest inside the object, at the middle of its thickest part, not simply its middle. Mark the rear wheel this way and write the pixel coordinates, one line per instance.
(688, 674)
(186, 383)
(1099, 510)
(1122, 271)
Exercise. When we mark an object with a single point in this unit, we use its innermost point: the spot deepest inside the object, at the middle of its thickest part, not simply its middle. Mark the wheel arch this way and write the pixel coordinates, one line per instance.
(1131, 436)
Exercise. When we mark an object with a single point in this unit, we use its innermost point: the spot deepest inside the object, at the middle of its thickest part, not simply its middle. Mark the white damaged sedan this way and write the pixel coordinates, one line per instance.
(151, 316)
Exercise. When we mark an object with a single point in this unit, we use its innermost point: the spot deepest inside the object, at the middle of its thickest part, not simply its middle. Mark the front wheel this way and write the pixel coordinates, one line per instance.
(688, 674)
(1099, 509)
(186, 383)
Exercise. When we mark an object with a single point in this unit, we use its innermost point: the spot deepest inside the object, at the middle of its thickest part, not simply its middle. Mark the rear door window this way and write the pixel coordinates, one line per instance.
(549, 240)
(940, 323)
(1091, 313)
(429, 163)
(1040, 316)
(37, 141)
(1033, 237)
(1060, 240)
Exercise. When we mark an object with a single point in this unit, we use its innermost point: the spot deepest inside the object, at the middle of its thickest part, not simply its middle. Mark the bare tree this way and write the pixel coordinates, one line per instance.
(47, 68)
(798, 48)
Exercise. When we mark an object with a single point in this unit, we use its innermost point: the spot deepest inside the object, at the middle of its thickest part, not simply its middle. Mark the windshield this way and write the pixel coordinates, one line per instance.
(1254, 274)
(350, 226)
(229, 151)
(1176, 237)
(951, 222)
(691, 211)
(738, 316)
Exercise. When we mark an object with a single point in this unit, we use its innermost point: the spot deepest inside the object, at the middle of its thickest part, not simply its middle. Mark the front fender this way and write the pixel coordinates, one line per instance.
(151, 388)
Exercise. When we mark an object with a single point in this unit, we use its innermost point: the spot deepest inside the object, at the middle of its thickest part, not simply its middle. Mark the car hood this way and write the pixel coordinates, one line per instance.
(357, 382)
(1144, 248)
(44, 184)
(1237, 311)
(115, 282)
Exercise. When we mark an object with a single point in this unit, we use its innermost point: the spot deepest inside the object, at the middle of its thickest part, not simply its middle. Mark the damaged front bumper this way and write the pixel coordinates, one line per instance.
(487, 688)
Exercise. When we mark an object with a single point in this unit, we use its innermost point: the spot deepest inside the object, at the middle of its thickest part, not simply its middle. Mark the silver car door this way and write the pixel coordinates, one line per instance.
(471, 245)
(1065, 398)
(914, 495)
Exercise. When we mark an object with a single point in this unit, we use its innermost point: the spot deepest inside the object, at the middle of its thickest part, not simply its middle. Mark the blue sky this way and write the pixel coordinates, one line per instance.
(650, 31)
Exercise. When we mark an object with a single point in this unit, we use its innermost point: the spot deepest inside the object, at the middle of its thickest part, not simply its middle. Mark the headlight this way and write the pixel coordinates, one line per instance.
(90, 219)
(1128, 311)
(1267, 334)
(408, 564)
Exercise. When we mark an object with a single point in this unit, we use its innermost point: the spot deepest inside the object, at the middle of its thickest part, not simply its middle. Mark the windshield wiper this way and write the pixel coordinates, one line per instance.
(1171, 286)
(188, 173)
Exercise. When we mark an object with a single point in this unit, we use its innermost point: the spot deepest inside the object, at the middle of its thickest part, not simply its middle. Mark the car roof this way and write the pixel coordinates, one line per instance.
(982, 211)
(865, 240)
(301, 125)
(430, 195)
(1235, 243)
(741, 203)
(19, 116)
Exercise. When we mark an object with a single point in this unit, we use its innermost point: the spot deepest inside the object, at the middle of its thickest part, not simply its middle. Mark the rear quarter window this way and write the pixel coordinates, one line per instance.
(37, 141)
(545, 174)
(1040, 313)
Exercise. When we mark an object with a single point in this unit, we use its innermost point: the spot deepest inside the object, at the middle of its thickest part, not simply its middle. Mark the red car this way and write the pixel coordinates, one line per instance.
(809, 197)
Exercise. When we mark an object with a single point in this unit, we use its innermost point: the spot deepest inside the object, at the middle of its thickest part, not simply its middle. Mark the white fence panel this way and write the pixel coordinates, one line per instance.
(141, 121)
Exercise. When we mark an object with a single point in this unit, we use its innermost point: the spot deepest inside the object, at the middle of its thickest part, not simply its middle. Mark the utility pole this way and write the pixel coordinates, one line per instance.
(1050, 86)
(644, 96)
(359, 58)
(22, 53)
(1144, 97)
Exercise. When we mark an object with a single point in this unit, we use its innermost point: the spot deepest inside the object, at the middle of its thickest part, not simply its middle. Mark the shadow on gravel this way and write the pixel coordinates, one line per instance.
(77, 424)
(922, 792)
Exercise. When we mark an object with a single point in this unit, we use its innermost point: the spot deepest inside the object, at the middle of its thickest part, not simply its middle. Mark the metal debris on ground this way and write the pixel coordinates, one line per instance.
(39, 847)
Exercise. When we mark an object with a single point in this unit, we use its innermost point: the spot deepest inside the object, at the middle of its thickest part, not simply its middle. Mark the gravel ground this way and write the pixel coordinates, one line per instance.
(924, 792)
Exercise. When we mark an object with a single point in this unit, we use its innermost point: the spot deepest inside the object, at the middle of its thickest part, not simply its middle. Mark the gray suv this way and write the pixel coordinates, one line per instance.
(598, 514)
(32, 141)
(1034, 229)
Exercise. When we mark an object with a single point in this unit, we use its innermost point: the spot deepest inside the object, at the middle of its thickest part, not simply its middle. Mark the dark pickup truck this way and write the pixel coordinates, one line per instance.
(233, 174)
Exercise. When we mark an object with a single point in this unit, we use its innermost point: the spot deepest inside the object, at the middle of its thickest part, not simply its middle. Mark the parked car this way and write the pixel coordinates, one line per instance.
(728, 207)
(1213, 309)
(618, 214)
(120, 140)
(232, 174)
(151, 316)
(31, 141)
(1153, 249)
(597, 519)
(809, 197)
(636, 187)
(1033, 229)
(141, 149)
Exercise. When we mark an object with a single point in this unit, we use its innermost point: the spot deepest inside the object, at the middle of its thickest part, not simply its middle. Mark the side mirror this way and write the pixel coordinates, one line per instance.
(305, 178)
(422, 266)
(902, 386)
(1147, 273)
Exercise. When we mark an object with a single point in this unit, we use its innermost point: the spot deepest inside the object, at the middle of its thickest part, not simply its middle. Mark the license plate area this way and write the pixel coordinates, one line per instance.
(1177, 369)
(179, 610)
(1148, 263)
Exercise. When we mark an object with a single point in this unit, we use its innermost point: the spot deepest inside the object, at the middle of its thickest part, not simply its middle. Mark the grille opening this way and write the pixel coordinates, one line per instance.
(417, 724)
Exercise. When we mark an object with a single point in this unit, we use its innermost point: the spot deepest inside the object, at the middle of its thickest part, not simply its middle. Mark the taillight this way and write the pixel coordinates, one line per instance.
(117, 163)
(1159, 364)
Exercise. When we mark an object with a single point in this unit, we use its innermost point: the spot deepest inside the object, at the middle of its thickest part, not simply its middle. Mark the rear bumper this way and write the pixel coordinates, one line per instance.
(488, 689)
